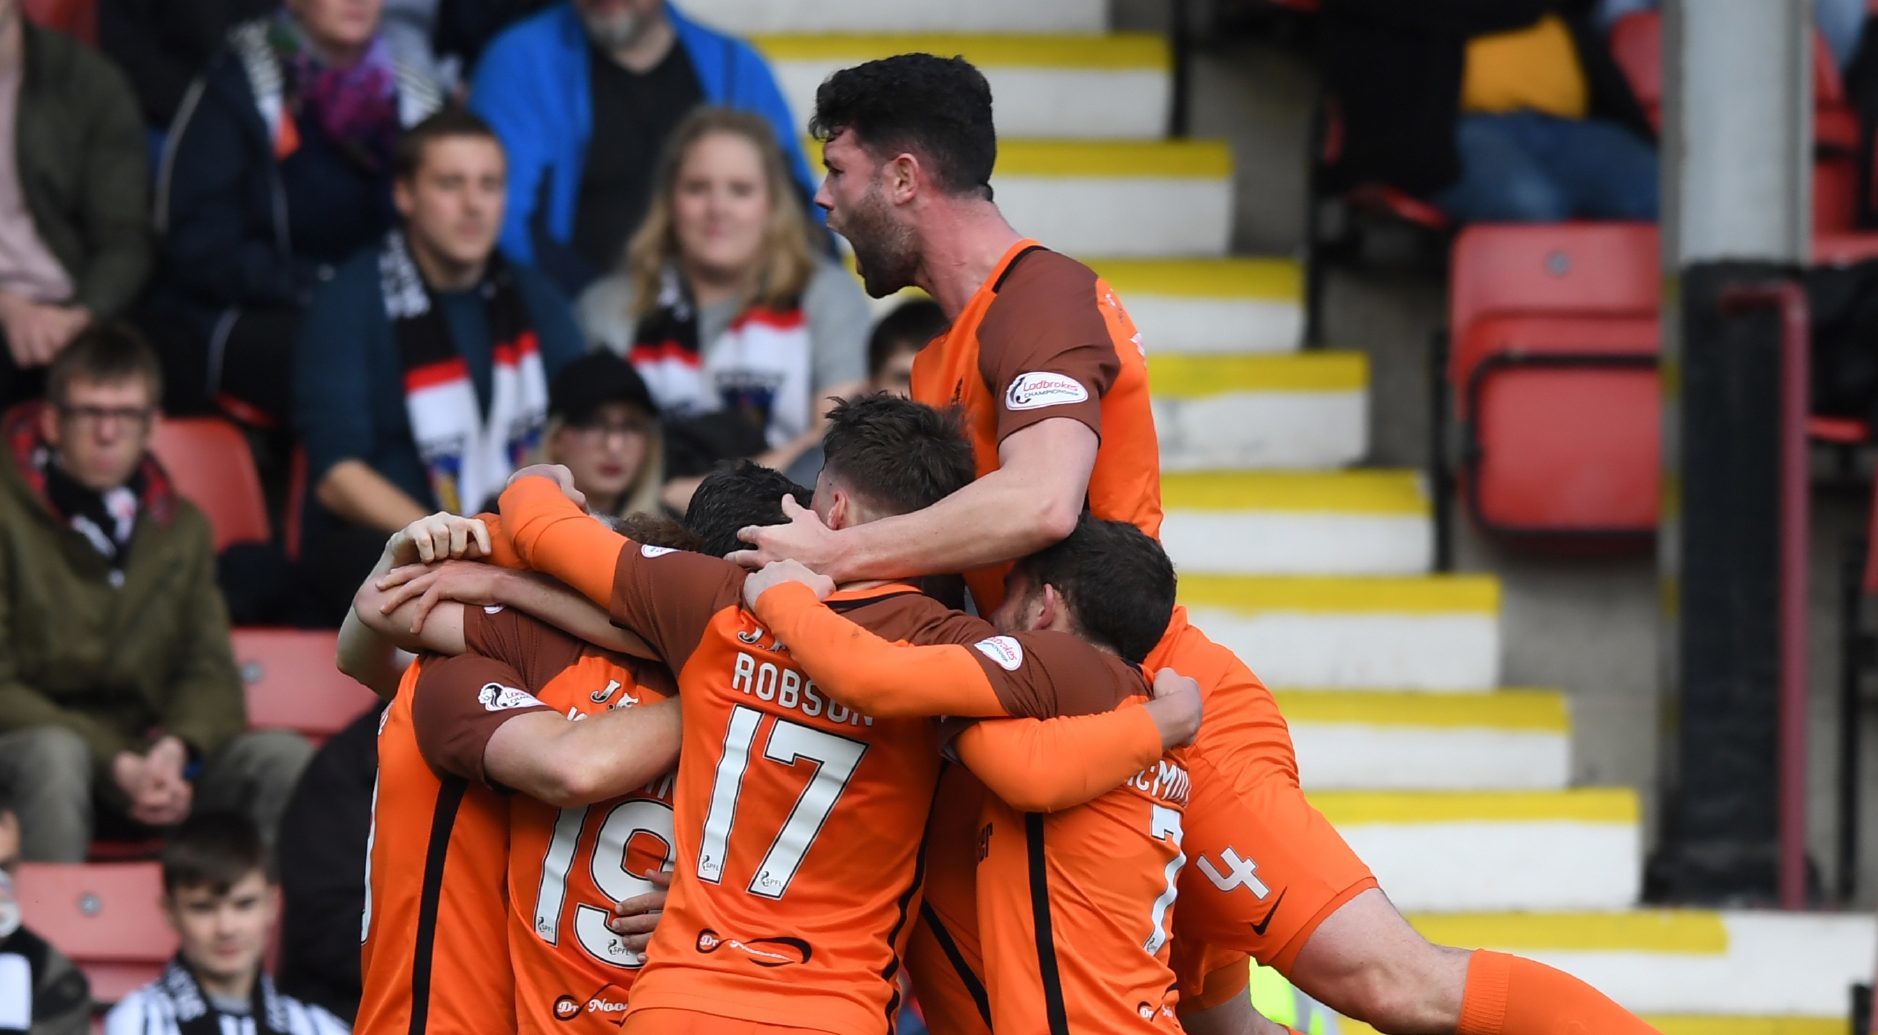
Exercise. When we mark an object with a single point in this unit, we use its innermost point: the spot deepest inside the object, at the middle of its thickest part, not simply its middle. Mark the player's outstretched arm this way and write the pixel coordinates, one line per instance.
(1031, 501)
(564, 762)
(1046, 765)
(367, 647)
(428, 600)
(552, 534)
(865, 672)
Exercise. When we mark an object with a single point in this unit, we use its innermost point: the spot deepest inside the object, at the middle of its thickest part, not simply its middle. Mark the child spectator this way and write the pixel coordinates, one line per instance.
(897, 338)
(222, 898)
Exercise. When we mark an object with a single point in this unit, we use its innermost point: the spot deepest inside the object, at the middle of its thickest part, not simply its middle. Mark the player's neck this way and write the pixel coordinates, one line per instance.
(960, 249)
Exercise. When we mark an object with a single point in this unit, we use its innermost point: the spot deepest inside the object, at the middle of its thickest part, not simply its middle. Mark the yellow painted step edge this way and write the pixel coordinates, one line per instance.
(1613, 805)
(1673, 931)
(1504, 711)
(1099, 159)
(1234, 280)
(1358, 493)
(1428, 594)
(1109, 52)
(1686, 1025)
(1179, 376)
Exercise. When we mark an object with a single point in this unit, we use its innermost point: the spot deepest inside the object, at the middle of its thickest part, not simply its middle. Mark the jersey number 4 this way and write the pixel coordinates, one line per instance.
(789, 743)
(623, 824)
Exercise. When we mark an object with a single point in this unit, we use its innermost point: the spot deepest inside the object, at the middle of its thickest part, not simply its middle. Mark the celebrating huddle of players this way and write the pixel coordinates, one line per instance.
(769, 709)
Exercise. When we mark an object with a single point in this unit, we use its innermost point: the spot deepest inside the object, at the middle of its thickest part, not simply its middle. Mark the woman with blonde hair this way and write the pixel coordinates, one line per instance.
(740, 329)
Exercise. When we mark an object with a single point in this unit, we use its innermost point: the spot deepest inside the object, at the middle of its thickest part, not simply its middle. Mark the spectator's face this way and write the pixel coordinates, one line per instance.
(101, 430)
(452, 205)
(615, 24)
(607, 452)
(854, 196)
(895, 376)
(224, 936)
(9, 827)
(721, 204)
(337, 25)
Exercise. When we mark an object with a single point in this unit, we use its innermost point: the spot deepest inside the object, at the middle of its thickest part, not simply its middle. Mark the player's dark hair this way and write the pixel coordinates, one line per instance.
(1116, 580)
(936, 108)
(107, 352)
(899, 455)
(451, 120)
(214, 850)
(909, 326)
(655, 530)
(738, 494)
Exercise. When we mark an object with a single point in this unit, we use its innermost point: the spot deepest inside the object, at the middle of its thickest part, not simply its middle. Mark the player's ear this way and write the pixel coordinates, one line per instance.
(1049, 608)
(839, 511)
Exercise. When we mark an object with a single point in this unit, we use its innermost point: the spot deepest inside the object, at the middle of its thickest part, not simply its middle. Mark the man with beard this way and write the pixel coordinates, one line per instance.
(619, 74)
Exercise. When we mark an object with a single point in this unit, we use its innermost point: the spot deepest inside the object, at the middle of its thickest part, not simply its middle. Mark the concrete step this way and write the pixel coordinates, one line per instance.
(1251, 411)
(1199, 306)
(1693, 972)
(1298, 523)
(1451, 852)
(1124, 199)
(749, 17)
(1402, 741)
(1109, 87)
(1436, 632)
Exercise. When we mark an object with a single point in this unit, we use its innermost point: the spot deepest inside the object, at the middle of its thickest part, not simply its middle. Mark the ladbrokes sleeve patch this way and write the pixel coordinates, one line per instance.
(494, 697)
(1039, 389)
(1006, 652)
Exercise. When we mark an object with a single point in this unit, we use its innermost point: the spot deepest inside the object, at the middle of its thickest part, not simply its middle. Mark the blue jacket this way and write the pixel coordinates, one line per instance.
(532, 86)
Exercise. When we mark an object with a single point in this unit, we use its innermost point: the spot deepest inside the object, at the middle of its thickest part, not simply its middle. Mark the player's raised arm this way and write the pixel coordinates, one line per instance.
(552, 534)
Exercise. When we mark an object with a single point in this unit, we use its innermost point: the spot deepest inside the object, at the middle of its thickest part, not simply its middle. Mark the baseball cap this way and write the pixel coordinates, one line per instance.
(594, 380)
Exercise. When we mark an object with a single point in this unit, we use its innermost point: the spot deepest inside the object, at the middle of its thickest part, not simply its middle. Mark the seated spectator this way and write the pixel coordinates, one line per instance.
(897, 338)
(74, 197)
(725, 309)
(162, 45)
(421, 374)
(620, 71)
(1840, 22)
(604, 426)
(117, 682)
(279, 170)
(323, 838)
(1513, 111)
(41, 992)
(221, 896)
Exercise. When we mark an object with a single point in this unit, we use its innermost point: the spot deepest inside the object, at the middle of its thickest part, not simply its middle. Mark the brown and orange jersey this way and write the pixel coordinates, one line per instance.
(434, 958)
(566, 866)
(1045, 337)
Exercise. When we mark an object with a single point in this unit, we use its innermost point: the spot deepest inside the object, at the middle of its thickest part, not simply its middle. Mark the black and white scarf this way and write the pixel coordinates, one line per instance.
(175, 1004)
(106, 519)
(762, 365)
(468, 456)
(194, 1014)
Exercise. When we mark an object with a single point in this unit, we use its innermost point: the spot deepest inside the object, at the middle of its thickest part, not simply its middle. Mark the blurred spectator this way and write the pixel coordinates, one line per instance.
(323, 839)
(603, 424)
(41, 992)
(279, 168)
(1510, 111)
(221, 896)
(1840, 22)
(421, 375)
(465, 28)
(74, 197)
(741, 330)
(162, 45)
(117, 682)
(619, 71)
(897, 338)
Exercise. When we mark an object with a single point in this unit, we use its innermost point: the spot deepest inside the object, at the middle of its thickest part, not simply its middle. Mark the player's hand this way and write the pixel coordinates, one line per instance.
(779, 572)
(440, 536)
(637, 916)
(556, 473)
(1176, 708)
(803, 539)
(466, 582)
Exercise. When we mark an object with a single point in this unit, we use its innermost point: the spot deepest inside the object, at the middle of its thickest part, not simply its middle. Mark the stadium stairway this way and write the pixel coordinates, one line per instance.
(1313, 568)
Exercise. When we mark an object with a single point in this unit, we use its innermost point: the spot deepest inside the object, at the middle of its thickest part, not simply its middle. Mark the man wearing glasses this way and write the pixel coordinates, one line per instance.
(119, 699)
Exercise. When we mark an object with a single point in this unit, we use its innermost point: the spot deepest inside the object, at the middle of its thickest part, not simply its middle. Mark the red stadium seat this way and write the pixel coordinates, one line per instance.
(1554, 339)
(292, 682)
(77, 18)
(209, 461)
(105, 916)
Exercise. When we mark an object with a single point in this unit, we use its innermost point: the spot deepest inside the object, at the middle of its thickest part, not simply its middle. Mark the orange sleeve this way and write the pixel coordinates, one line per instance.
(552, 535)
(501, 550)
(1045, 765)
(868, 673)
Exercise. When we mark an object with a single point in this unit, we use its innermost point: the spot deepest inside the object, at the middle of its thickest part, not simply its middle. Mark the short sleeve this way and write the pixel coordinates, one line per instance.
(669, 597)
(458, 704)
(536, 650)
(1045, 349)
(1043, 675)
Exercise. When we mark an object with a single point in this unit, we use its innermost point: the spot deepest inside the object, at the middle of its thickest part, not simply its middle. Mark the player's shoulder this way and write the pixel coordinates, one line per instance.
(1047, 276)
(1063, 656)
